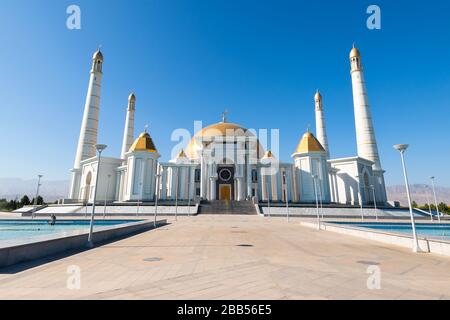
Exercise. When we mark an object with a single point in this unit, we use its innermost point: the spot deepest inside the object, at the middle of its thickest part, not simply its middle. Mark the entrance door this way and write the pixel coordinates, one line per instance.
(225, 192)
(225, 183)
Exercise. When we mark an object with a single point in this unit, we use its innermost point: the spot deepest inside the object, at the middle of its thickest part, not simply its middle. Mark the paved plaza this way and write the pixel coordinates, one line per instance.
(233, 257)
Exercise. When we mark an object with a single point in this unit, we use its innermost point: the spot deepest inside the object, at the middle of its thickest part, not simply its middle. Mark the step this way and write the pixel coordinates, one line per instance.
(227, 207)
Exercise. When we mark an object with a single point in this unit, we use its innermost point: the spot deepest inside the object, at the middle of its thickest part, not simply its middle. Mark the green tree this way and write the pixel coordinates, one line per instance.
(40, 200)
(443, 208)
(415, 205)
(25, 201)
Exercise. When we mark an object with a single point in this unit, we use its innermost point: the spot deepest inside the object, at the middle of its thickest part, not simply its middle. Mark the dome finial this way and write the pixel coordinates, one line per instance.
(146, 128)
(225, 116)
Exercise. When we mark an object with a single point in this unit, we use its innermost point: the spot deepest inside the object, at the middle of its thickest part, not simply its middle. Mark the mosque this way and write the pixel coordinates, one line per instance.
(225, 161)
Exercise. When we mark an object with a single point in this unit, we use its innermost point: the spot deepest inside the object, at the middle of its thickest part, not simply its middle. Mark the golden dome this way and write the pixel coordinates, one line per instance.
(221, 129)
(143, 143)
(309, 143)
(97, 55)
(354, 53)
(317, 96)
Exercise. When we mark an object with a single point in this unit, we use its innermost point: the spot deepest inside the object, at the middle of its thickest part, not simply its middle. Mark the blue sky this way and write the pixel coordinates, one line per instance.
(189, 60)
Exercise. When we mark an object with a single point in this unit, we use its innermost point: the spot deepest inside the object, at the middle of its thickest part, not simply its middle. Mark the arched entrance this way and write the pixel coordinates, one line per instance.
(225, 182)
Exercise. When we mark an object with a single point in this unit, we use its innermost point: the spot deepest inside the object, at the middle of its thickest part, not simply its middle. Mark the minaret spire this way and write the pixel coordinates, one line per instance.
(128, 133)
(321, 131)
(365, 134)
(89, 125)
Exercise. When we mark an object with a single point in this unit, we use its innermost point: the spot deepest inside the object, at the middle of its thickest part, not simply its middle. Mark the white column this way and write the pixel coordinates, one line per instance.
(75, 184)
(249, 177)
(204, 174)
(240, 189)
(212, 188)
(128, 133)
(163, 183)
(263, 187)
(192, 183)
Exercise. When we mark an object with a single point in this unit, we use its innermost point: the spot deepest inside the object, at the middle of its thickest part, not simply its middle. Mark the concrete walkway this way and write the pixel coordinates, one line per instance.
(234, 257)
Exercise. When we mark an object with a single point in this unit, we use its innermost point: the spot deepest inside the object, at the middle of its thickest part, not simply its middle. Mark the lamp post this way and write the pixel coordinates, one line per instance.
(360, 198)
(286, 195)
(268, 195)
(321, 200)
(177, 176)
(374, 201)
(99, 148)
(435, 199)
(314, 177)
(429, 205)
(106, 195)
(402, 148)
(266, 186)
(37, 195)
(158, 175)
(189, 190)
(139, 198)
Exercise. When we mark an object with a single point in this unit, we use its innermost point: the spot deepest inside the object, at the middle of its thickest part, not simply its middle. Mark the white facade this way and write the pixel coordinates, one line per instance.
(225, 161)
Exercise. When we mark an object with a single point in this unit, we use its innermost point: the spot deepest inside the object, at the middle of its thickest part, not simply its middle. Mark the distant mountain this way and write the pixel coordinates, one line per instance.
(418, 194)
(11, 188)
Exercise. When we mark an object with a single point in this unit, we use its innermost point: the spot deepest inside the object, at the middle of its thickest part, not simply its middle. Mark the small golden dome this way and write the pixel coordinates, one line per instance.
(98, 55)
(317, 96)
(269, 154)
(182, 154)
(132, 97)
(309, 143)
(143, 143)
(354, 53)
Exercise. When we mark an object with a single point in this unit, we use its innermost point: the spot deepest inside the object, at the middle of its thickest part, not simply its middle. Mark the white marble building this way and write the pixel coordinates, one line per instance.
(225, 161)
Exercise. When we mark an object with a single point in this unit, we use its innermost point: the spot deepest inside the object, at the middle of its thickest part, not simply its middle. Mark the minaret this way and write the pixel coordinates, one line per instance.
(128, 133)
(89, 126)
(365, 134)
(321, 131)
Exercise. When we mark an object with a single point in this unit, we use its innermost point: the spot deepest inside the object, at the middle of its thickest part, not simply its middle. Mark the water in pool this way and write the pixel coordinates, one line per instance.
(424, 230)
(21, 229)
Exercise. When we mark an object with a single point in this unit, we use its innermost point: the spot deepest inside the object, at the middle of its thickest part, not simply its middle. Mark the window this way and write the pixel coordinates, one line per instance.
(254, 176)
(197, 192)
(198, 175)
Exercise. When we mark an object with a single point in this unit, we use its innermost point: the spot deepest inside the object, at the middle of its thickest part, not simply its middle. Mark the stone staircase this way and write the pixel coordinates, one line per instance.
(227, 207)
